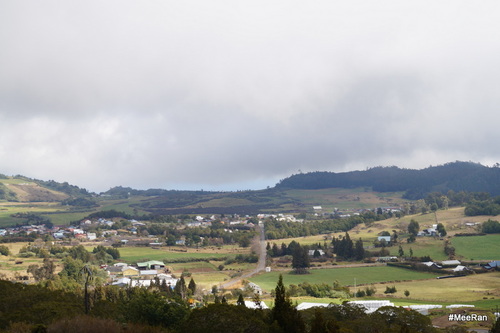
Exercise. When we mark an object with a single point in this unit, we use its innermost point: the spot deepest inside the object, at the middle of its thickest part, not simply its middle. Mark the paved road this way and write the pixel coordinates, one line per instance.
(261, 264)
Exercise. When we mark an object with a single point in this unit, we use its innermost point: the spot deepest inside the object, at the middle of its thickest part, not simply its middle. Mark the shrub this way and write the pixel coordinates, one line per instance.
(390, 290)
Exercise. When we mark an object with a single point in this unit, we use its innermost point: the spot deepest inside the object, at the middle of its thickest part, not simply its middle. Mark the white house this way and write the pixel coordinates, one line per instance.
(387, 239)
(256, 289)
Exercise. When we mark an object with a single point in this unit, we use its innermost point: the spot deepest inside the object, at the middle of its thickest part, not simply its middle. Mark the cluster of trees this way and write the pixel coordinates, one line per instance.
(287, 250)
(490, 227)
(390, 290)
(99, 255)
(346, 249)
(485, 206)
(157, 309)
(456, 176)
(279, 229)
(321, 290)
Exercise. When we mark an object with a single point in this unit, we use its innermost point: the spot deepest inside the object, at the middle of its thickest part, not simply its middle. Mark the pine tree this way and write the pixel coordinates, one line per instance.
(284, 313)
(192, 286)
(180, 288)
(300, 259)
(401, 251)
(359, 251)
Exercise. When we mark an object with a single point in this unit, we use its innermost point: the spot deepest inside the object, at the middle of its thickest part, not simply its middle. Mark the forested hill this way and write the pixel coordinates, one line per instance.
(456, 176)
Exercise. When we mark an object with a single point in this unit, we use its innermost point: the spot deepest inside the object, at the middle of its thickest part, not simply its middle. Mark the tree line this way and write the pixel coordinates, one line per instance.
(456, 176)
(37, 308)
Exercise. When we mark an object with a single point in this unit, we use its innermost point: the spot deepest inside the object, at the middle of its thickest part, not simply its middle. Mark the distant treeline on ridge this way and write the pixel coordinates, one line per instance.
(455, 176)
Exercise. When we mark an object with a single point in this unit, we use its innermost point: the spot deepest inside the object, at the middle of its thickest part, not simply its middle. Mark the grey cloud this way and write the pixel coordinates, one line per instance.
(192, 95)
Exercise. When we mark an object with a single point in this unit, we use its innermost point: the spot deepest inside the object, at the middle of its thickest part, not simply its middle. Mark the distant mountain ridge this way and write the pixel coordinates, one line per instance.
(416, 184)
(456, 176)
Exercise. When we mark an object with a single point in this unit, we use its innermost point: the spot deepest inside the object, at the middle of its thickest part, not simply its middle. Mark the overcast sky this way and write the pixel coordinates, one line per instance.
(234, 95)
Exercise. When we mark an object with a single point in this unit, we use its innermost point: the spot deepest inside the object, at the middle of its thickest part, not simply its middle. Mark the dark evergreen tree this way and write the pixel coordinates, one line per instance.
(180, 288)
(284, 313)
(275, 251)
(300, 260)
(359, 251)
(192, 286)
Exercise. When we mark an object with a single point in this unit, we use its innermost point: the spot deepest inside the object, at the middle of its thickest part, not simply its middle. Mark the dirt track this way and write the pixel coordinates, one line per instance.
(261, 264)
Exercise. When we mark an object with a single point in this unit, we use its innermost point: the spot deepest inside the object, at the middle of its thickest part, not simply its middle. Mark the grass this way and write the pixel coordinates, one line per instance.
(137, 254)
(478, 247)
(423, 246)
(472, 288)
(344, 199)
(346, 276)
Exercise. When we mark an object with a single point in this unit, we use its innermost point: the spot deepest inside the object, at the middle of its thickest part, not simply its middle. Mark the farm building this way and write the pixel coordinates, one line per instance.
(461, 268)
(449, 263)
(387, 239)
(493, 265)
(431, 264)
(152, 264)
(130, 271)
(256, 289)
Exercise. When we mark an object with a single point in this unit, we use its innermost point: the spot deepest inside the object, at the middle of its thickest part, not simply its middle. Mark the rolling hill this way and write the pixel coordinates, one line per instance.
(375, 187)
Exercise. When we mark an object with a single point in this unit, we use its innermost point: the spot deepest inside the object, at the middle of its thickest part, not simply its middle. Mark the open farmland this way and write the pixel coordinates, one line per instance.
(345, 199)
(485, 247)
(346, 276)
(133, 255)
(481, 289)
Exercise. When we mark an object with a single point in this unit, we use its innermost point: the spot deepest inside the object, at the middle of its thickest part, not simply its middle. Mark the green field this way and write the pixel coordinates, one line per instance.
(343, 198)
(138, 254)
(423, 246)
(346, 276)
(478, 247)
(478, 288)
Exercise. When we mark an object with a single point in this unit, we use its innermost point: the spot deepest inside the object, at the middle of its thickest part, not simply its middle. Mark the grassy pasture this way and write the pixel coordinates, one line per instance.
(66, 218)
(193, 267)
(137, 254)
(346, 276)
(467, 289)
(423, 246)
(344, 198)
(124, 205)
(59, 215)
(478, 247)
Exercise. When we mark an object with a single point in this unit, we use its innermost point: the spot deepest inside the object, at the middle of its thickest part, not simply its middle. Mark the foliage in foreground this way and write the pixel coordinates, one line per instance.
(30, 308)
